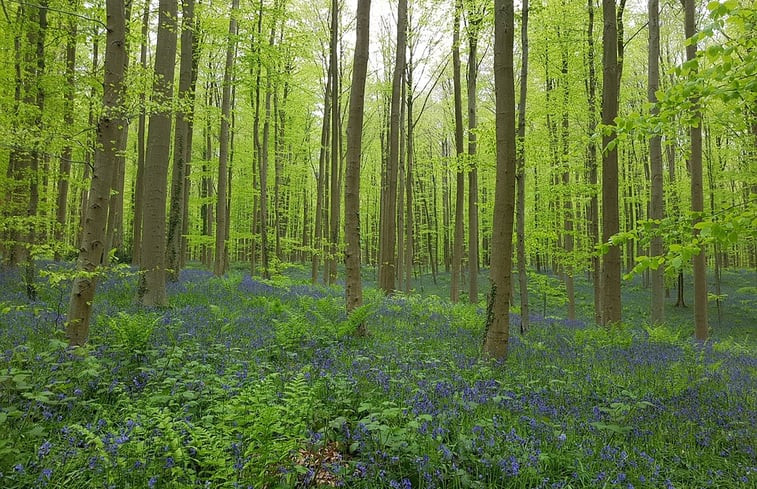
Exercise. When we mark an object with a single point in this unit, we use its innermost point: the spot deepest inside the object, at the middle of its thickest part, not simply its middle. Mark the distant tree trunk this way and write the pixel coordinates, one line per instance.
(139, 184)
(68, 122)
(656, 207)
(181, 143)
(353, 283)
(190, 132)
(697, 192)
(591, 163)
(567, 203)
(152, 280)
(321, 179)
(108, 135)
(521, 173)
(457, 249)
(88, 155)
(264, 166)
(389, 208)
(223, 155)
(498, 320)
(474, 22)
(408, 247)
(336, 130)
(611, 308)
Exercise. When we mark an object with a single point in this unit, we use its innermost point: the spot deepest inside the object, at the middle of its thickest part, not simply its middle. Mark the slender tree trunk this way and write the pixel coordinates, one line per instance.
(108, 135)
(353, 283)
(264, 166)
(611, 308)
(190, 132)
(139, 185)
(697, 193)
(223, 155)
(409, 221)
(181, 143)
(498, 317)
(591, 163)
(473, 260)
(389, 210)
(321, 179)
(68, 122)
(457, 250)
(335, 146)
(567, 202)
(656, 207)
(521, 173)
(152, 281)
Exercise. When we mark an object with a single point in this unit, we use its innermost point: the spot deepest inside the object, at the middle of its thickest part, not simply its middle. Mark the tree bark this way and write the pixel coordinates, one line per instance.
(697, 191)
(108, 135)
(335, 146)
(457, 248)
(181, 142)
(389, 211)
(152, 281)
(498, 320)
(353, 283)
(521, 173)
(474, 21)
(611, 308)
(219, 265)
(139, 184)
(591, 163)
(656, 206)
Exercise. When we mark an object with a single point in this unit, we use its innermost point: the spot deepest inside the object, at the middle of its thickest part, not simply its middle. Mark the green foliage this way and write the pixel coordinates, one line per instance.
(131, 332)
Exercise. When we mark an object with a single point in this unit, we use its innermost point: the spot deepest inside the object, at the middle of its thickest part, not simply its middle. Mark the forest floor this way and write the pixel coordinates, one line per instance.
(245, 383)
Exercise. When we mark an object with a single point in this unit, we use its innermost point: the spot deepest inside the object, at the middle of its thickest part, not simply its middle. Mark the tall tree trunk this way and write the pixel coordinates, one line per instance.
(335, 146)
(656, 207)
(409, 242)
(353, 284)
(108, 135)
(181, 142)
(611, 308)
(68, 122)
(389, 209)
(457, 249)
(152, 280)
(321, 179)
(697, 193)
(223, 154)
(264, 164)
(139, 185)
(474, 22)
(521, 173)
(498, 318)
(190, 132)
(591, 163)
(567, 203)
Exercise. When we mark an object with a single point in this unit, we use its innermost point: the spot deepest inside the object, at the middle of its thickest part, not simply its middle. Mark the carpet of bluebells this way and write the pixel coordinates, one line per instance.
(244, 383)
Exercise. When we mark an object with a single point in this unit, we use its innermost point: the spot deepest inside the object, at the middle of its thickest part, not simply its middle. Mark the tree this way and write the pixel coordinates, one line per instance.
(353, 283)
(388, 232)
(181, 150)
(611, 307)
(521, 173)
(457, 248)
(695, 166)
(108, 138)
(151, 290)
(139, 184)
(656, 204)
(219, 266)
(497, 317)
(475, 17)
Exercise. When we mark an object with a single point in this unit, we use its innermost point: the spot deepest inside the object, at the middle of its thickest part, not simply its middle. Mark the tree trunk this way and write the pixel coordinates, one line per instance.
(152, 280)
(389, 209)
(474, 22)
(353, 283)
(335, 149)
(264, 165)
(656, 207)
(611, 308)
(498, 320)
(321, 179)
(697, 192)
(181, 143)
(457, 249)
(521, 174)
(567, 203)
(108, 135)
(223, 153)
(68, 122)
(139, 185)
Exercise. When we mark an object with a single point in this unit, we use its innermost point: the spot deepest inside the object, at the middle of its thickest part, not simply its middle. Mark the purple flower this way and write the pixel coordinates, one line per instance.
(44, 449)
(152, 481)
(47, 473)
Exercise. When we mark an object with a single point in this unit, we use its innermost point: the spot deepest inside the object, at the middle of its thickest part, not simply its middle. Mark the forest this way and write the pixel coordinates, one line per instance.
(388, 243)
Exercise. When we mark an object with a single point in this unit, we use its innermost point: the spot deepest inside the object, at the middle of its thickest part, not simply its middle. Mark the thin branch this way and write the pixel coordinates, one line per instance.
(53, 9)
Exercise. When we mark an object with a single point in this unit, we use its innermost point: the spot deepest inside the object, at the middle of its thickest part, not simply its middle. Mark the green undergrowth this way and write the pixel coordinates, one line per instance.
(246, 383)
